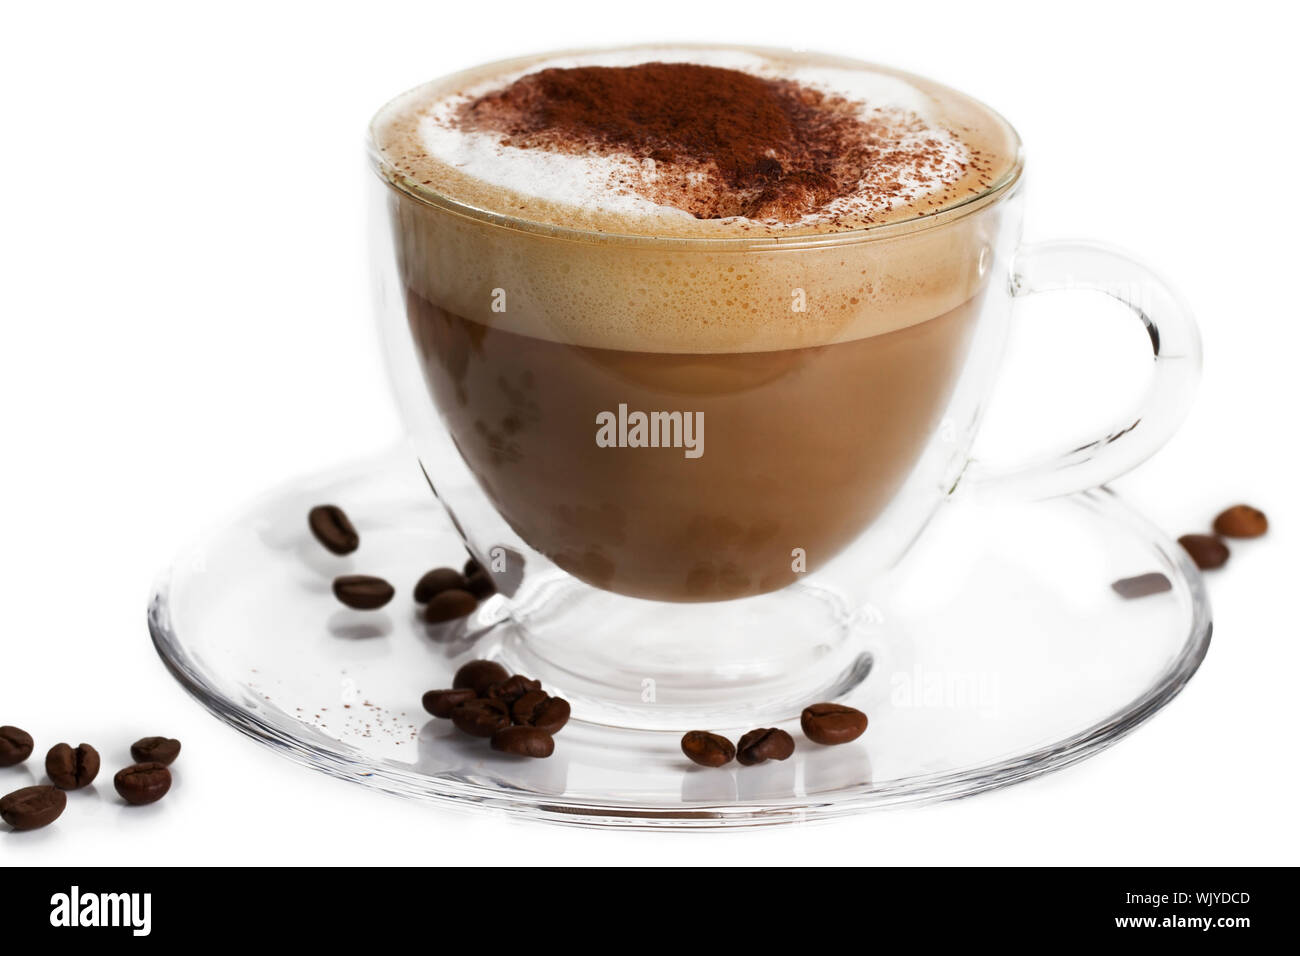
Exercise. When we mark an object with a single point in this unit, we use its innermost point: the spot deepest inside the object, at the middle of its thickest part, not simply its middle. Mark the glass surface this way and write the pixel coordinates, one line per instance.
(996, 651)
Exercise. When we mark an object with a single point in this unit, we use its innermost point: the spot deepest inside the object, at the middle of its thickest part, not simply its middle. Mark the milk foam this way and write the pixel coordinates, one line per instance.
(596, 182)
(587, 286)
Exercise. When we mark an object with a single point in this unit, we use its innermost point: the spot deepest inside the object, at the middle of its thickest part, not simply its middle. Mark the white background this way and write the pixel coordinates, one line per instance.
(185, 310)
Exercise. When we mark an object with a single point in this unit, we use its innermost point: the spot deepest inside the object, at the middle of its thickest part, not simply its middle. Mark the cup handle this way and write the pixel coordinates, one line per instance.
(1137, 434)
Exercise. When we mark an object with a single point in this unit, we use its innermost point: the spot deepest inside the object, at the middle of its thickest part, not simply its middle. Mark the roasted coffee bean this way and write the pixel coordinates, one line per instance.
(480, 585)
(479, 676)
(32, 807)
(333, 529)
(143, 783)
(766, 743)
(832, 724)
(481, 717)
(441, 703)
(15, 746)
(1241, 521)
(449, 605)
(539, 709)
(161, 750)
(362, 591)
(437, 581)
(512, 688)
(524, 742)
(72, 769)
(1143, 585)
(706, 749)
(1207, 551)
(471, 567)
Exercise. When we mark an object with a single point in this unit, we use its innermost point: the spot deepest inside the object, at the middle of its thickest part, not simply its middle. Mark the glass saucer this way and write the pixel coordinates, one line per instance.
(1000, 652)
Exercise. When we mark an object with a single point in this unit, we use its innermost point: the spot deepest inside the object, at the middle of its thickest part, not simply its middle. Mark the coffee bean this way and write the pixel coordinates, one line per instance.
(832, 724)
(539, 709)
(362, 591)
(32, 807)
(512, 688)
(143, 783)
(479, 676)
(524, 742)
(1153, 582)
(480, 585)
(1207, 551)
(1241, 521)
(333, 529)
(15, 746)
(72, 769)
(766, 743)
(161, 750)
(706, 749)
(449, 605)
(437, 581)
(480, 717)
(441, 703)
(471, 567)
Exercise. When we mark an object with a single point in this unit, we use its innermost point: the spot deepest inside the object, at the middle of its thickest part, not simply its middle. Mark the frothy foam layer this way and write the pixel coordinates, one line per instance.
(824, 145)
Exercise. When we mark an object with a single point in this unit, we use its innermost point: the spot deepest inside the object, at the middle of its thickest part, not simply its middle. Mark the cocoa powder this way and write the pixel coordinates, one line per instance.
(715, 142)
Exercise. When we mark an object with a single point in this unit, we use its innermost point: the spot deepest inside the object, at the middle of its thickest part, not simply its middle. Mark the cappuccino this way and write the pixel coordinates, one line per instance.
(791, 249)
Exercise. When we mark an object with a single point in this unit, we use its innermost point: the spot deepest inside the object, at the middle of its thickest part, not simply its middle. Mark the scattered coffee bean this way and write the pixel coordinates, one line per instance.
(1207, 551)
(478, 676)
(72, 769)
(480, 585)
(1241, 521)
(524, 742)
(706, 749)
(481, 717)
(15, 746)
(512, 688)
(449, 605)
(32, 807)
(333, 529)
(161, 750)
(536, 708)
(765, 743)
(436, 581)
(831, 724)
(471, 567)
(143, 783)
(1153, 582)
(362, 591)
(441, 703)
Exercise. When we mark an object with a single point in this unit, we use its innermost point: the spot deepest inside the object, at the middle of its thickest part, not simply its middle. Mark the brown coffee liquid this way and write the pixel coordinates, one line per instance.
(603, 232)
(801, 448)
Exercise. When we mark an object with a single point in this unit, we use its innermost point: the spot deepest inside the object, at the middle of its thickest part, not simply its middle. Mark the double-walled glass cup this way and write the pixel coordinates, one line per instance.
(685, 461)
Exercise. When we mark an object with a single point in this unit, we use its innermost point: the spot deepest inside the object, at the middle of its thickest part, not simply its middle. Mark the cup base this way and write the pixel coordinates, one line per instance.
(648, 665)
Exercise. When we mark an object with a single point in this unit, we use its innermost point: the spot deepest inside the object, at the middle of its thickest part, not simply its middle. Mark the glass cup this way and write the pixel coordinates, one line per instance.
(685, 523)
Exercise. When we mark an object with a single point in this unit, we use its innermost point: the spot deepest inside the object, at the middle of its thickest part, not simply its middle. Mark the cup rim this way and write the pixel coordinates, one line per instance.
(999, 189)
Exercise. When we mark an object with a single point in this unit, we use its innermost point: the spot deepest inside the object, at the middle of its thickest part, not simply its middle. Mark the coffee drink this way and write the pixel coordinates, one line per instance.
(679, 310)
